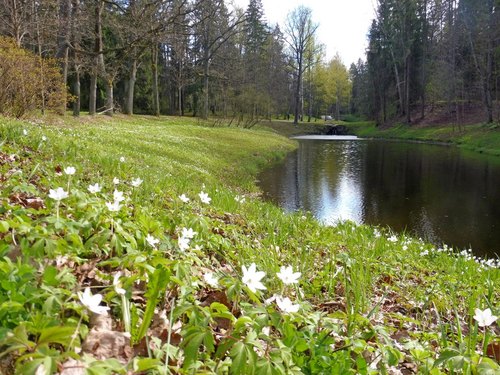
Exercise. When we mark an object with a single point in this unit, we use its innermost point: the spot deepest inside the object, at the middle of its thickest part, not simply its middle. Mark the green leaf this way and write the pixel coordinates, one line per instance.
(4, 226)
(105, 367)
(56, 335)
(241, 322)
(445, 356)
(30, 367)
(488, 367)
(243, 357)
(50, 276)
(192, 342)
(146, 364)
(301, 346)
(218, 310)
(224, 346)
(393, 356)
(239, 356)
(156, 287)
(361, 365)
(265, 367)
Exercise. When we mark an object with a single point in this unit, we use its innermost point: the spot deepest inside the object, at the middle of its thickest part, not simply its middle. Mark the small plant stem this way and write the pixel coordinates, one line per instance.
(126, 313)
(167, 354)
(73, 337)
(483, 343)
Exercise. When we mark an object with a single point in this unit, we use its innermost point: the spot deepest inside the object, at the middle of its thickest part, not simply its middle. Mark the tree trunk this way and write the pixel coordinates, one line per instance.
(179, 94)
(407, 84)
(129, 106)
(179, 90)
(109, 98)
(156, 94)
(489, 62)
(297, 93)
(99, 58)
(206, 66)
(76, 93)
(62, 34)
(337, 107)
(93, 93)
(398, 82)
(62, 52)
(424, 60)
(487, 83)
(76, 38)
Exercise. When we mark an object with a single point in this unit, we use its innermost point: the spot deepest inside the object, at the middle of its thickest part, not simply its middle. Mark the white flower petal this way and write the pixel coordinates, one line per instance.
(58, 194)
(70, 170)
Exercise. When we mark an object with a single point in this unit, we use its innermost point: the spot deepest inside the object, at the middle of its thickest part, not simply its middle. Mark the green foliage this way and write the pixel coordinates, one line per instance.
(366, 304)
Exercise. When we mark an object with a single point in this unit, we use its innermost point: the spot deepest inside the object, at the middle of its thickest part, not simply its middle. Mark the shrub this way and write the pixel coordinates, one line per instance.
(27, 81)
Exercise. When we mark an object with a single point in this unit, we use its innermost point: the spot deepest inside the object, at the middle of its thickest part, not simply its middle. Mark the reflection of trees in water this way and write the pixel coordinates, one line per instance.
(422, 187)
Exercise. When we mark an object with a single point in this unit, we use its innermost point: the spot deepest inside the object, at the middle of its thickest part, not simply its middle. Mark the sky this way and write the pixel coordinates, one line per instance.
(343, 24)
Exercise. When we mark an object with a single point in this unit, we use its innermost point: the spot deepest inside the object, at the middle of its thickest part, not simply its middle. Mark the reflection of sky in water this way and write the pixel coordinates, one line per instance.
(344, 202)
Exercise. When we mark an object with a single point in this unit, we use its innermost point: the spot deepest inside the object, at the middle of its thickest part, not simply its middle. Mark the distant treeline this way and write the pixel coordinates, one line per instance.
(424, 53)
(203, 58)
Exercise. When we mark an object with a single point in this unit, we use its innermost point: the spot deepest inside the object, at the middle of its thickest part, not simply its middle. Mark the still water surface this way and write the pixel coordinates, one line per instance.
(440, 193)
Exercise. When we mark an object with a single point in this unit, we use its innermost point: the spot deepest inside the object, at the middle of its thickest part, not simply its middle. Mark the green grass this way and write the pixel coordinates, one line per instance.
(483, 138)
(368, 301)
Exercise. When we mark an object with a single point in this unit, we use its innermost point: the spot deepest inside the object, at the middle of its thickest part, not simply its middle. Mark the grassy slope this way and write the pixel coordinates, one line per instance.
(381, 291)
(478, 137)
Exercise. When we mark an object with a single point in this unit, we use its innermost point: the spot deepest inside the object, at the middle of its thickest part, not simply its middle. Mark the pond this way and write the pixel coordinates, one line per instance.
(439, 193)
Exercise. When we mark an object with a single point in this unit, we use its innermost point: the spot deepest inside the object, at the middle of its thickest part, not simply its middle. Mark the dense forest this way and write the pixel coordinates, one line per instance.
(205, 58)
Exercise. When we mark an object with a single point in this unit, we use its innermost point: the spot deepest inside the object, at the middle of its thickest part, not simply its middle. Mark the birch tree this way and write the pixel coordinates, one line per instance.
(299, 30)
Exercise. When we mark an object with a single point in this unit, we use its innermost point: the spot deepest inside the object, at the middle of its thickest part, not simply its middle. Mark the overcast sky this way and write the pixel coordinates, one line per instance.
(343, 24)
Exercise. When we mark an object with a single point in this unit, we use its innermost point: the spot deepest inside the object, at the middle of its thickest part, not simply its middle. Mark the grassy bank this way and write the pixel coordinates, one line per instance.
(169, 237)
(477, 137)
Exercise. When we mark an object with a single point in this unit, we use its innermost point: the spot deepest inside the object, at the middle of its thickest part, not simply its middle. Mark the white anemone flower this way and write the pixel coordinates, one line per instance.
(118, 196)
(211, 280)
(118, 286)
(152, 241)
(113, 206)
(484, 318)
(44, 138)
(41, 370)
(188, 233)
(184, 198)
(94, 188)
(287, 275)
(92, 302)
(270, 299)
(251, 278)
(286, 305)
(392, 238)
(136, 182)
(122, 159)
(204, 198)
(25, 132)
(58, 194)
(70, 171)
(183, 243)
(116, 181)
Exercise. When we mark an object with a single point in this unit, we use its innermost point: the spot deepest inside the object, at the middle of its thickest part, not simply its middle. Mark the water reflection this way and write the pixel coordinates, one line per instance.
(439, 193)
